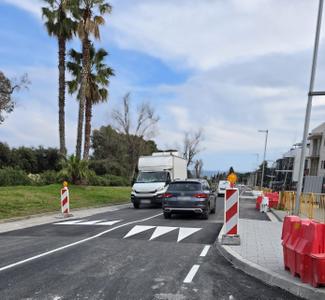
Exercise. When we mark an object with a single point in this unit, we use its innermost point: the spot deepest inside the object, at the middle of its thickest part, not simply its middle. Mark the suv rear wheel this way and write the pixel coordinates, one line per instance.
(167, 215)
(205, 214)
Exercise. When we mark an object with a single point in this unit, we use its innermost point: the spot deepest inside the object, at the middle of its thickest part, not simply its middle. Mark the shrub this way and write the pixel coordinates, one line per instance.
(117, 180)
(49, 177)
(10, 177)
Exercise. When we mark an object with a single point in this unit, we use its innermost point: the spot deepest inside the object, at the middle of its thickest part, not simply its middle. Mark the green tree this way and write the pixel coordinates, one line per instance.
(59, 24)
(98, 81)
(90, 17)
(75, 170)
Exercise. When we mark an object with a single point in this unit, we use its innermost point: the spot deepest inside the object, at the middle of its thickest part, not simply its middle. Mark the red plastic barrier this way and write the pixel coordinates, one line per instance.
(273, 199)
(302, 249)
(288, 227)
(291, 245)
(258, 202)
(318, 269)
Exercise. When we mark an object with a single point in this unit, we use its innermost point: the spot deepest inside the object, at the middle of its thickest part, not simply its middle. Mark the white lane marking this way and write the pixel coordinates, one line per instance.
(68, 222)
(191, 274)
(74, 244)
(109, 222)
(184, 232)
(160, 230)
(205, 250)
(137, 229)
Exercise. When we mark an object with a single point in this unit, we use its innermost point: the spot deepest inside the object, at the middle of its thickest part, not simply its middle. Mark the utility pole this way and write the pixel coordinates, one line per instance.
(308, 108)
(264, 156)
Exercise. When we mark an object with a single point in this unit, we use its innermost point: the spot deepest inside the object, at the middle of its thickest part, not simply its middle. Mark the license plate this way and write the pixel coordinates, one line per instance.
(183, 198)
(144, 201)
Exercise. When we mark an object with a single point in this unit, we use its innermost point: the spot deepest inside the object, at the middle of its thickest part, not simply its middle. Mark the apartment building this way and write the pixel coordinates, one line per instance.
(316, 157)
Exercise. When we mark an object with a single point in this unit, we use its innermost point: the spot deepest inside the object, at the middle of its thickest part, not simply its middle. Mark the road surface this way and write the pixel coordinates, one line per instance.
(125, 254)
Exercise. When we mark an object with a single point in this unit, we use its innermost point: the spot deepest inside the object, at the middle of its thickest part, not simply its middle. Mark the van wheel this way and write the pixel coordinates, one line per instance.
(136, 205)
(167, 215)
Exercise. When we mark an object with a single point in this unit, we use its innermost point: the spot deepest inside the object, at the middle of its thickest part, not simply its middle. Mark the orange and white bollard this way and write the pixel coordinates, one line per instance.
(231, 217)
(65, 200)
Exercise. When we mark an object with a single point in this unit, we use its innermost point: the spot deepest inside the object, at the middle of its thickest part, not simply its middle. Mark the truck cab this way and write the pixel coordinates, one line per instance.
(155, 174)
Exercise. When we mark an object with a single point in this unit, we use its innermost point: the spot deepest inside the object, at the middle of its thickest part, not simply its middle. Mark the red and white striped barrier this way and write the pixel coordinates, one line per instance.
(65, 208)
(231, 236)
(231, 210)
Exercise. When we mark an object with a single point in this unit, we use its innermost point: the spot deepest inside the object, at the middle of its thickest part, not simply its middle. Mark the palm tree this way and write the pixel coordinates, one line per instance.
(98, 81)
(88, 24)
(59, 24)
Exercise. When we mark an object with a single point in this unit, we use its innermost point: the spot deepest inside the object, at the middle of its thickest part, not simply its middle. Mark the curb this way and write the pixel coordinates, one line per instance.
(267, 276)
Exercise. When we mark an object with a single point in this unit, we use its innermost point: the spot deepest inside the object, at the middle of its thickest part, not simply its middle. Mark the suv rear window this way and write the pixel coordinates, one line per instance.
(184, 186)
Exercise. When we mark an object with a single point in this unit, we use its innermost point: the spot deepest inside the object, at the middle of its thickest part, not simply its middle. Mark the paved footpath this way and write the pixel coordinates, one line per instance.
(260, 254)
(123, 254)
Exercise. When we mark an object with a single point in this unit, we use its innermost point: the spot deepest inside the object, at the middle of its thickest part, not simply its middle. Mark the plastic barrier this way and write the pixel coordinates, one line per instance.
(287, 229)
(273, 199)
(303, 242)
(302, 249)
(318, 269)
(291, 245)
(258, 202)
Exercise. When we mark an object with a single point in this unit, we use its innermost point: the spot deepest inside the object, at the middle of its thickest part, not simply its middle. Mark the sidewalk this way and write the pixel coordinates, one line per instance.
(260, 255)
(29, 221)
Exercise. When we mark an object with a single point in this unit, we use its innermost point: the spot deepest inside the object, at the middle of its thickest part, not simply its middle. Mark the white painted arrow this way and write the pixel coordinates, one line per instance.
(137, 229)
(184, 232)
(160, 230)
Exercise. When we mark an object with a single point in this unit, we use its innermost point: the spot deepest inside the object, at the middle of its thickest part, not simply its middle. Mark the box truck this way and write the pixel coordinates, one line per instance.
(155, 174)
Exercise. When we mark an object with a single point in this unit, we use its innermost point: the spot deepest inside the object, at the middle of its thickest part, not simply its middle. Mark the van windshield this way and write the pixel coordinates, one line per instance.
(145, 177)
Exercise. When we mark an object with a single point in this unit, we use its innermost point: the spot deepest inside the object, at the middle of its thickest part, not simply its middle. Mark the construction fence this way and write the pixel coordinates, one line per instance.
(312, 205)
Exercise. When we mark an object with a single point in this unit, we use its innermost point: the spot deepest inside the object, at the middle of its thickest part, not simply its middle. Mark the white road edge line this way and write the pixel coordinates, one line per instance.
(73, 244)
(191, 274)
(205, 250)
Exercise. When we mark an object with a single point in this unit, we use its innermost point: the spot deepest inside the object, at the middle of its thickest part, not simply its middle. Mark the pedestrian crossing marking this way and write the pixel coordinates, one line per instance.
(184, 232)
(137, 229)
(91, 222)
(161, 230)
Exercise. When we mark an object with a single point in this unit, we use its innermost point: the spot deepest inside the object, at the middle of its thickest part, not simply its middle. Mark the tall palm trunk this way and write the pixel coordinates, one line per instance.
(87, 128)
(61, 66)
(82, 100)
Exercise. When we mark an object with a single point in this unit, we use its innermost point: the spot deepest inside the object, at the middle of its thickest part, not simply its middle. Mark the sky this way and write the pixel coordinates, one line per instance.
(229, 67)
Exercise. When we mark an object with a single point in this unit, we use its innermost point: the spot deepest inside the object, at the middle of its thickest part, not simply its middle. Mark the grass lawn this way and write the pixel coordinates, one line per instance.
(19, 201)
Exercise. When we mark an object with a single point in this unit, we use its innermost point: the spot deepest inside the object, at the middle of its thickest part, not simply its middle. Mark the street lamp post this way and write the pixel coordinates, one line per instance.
(308, 108)
(263, 166)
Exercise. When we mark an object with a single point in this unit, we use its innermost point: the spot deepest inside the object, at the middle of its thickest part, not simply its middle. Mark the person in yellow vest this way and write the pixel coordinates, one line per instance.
(232, 177)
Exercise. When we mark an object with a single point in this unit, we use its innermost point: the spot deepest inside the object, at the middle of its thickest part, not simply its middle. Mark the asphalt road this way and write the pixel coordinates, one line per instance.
(125, 254)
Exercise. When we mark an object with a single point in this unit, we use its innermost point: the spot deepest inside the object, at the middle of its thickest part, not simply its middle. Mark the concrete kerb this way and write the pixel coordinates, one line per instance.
(266, 275)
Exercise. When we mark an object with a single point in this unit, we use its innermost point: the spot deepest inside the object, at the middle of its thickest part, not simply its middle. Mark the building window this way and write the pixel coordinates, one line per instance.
(322, 164)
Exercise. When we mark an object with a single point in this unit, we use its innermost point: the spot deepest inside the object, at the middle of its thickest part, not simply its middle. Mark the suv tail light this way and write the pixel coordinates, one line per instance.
(201, 195)
(167, 195)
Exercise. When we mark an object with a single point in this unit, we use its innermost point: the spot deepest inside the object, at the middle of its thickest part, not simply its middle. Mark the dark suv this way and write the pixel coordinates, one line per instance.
(193, 195)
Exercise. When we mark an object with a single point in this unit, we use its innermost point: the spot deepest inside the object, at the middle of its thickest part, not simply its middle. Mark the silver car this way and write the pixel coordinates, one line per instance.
(194, 195)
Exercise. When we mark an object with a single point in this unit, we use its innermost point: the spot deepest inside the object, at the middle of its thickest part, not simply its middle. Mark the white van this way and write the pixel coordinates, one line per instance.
(222, 186)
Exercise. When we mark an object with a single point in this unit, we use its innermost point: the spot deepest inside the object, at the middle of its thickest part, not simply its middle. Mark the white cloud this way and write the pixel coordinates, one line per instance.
(204, 34)
(31, 6)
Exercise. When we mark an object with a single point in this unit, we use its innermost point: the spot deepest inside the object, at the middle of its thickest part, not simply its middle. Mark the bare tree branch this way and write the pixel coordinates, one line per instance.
(7, 88)
(192, 145)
